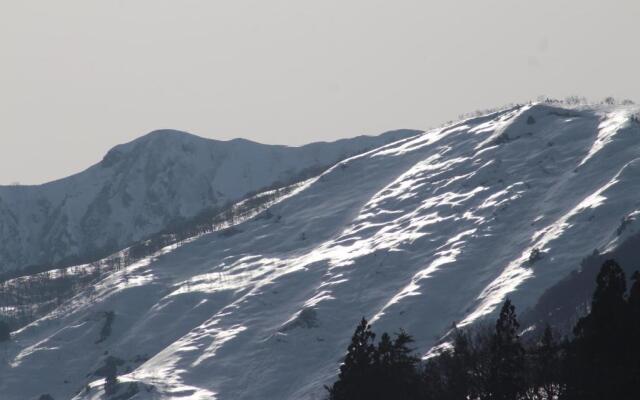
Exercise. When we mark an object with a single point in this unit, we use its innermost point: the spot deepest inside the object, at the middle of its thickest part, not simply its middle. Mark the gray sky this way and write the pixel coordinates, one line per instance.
(78, 77)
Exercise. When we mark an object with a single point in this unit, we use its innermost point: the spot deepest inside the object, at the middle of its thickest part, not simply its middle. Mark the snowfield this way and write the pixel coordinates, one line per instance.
(419, 234)
(143, 187)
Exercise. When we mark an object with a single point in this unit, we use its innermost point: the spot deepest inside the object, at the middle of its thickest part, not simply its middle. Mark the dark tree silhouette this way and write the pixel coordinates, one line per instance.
(599, 359)
(600, 362)
(357, 368)
(386, 371)
(400, 378)
(450, 376)
(544, 366)
(506, 366)
(634, 323)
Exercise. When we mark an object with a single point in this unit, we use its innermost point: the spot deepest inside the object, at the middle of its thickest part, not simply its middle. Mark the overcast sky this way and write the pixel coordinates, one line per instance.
(78, 77)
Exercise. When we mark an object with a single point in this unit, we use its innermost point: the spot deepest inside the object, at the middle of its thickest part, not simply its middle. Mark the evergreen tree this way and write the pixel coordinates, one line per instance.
(506, 365)
(385, 378)
(384, 353)
(403, 372)
(634, 301)
(600, 362)
(433, 384)
(458, 366)
(544, 367)
(599, 357)
(634, 323)
(387, 371)
(357, 370)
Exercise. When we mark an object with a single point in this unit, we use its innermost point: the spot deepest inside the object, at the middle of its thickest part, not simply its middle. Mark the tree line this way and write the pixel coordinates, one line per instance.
(25, 298)
(599, 360)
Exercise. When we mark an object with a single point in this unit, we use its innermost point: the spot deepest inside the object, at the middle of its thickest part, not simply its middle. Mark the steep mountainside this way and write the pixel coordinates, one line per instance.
(145, 186)
(565, 302)
(418, 234)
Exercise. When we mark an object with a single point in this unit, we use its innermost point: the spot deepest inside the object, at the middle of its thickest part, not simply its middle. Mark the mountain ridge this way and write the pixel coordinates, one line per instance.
(422, 233)
(62, 221)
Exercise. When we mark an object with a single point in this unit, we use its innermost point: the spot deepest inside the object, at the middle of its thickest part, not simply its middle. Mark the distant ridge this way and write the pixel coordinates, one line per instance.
(142, 187)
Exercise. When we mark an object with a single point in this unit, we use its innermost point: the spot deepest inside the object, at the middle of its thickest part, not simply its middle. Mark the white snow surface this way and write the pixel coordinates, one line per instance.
(418, 234)
(142, 187)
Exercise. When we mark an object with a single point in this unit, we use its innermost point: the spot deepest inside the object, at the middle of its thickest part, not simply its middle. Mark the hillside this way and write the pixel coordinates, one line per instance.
(147, 186)
(421, 233)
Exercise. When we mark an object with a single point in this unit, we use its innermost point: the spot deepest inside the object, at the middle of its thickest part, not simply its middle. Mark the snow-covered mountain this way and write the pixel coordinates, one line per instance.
(144, 187)
(418, 234)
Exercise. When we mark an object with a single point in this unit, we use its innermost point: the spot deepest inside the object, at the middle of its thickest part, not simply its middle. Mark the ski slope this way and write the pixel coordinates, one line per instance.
(418, 234)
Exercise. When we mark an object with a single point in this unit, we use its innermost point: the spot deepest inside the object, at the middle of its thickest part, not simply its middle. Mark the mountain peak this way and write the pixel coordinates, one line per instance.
(163, 134)
(141, 186)
(421, 233)
(168, 137)
(161, 139)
